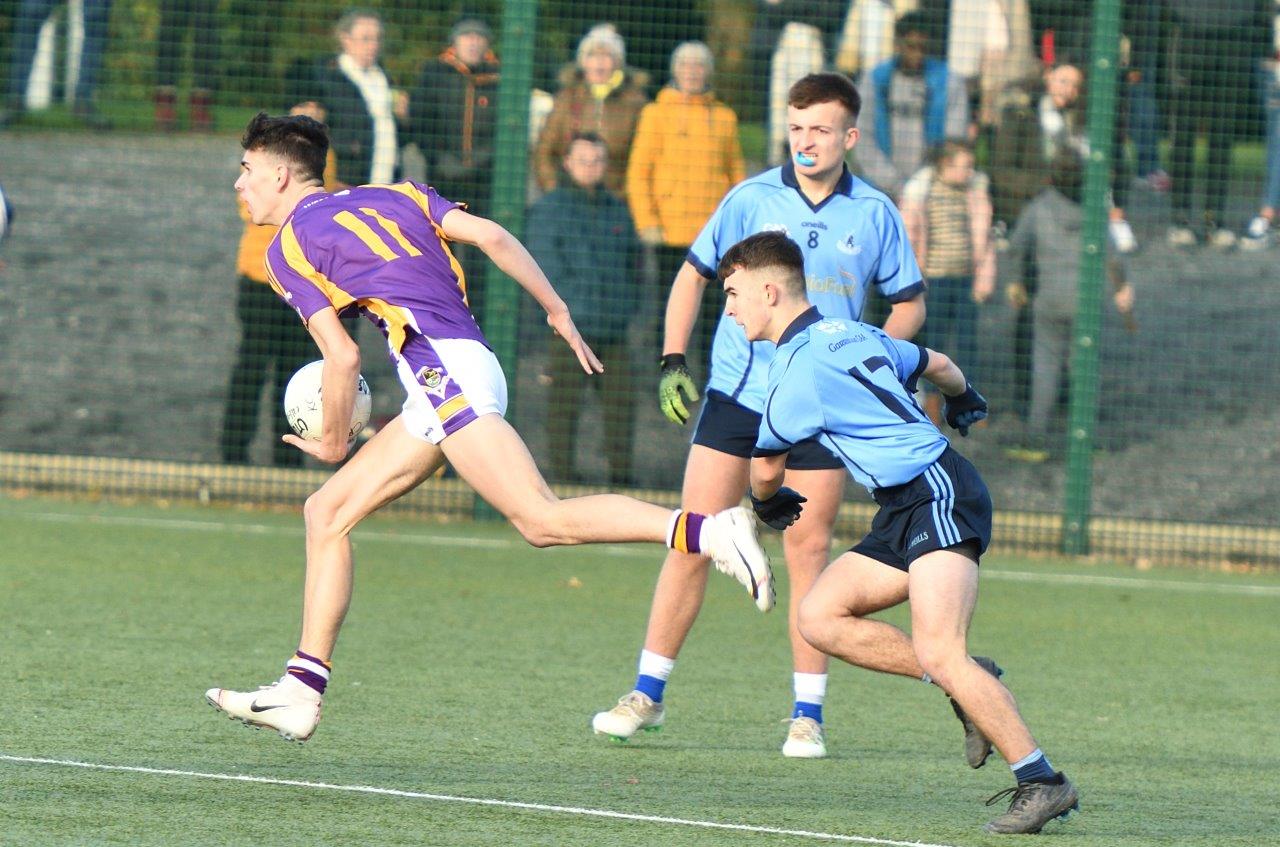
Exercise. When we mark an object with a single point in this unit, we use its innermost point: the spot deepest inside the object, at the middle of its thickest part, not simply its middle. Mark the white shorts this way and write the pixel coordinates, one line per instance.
(449, 382)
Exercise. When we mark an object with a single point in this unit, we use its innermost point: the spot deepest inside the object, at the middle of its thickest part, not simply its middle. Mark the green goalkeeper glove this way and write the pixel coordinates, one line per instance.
(675, 379)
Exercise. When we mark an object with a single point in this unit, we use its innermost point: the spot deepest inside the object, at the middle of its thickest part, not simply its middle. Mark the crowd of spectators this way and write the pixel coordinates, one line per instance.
(971, 111)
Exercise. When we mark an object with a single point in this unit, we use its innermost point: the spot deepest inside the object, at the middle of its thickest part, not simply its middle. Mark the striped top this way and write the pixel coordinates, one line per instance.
(379, 250)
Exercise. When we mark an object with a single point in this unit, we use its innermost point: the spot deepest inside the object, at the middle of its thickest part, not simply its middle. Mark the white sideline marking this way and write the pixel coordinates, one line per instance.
(1128, 583)
(474, 801)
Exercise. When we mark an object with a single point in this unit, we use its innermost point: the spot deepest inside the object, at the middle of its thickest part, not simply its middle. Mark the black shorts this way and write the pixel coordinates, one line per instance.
(946, 506)
(728, 426)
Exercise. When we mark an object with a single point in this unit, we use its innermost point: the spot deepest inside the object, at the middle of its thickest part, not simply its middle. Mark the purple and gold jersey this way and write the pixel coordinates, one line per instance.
(379, 249)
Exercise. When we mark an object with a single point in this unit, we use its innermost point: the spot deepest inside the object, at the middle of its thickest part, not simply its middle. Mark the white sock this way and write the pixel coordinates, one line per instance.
(810, 687)
(659, 667)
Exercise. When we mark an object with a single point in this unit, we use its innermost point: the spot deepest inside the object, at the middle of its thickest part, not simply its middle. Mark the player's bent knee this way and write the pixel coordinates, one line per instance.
(940, 660)
(319, 512)
(539, 530)
(816, 624)
(806, 549)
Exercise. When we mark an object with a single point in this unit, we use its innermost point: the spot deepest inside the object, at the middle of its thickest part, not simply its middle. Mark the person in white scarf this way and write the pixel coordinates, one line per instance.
(360, 37)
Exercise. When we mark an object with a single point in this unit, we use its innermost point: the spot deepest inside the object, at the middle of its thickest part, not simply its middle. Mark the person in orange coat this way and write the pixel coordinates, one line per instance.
(272, 343)
(685, 157)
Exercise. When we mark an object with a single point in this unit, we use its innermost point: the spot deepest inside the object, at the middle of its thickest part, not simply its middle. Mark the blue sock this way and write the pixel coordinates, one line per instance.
(651, 686)
(1034, 768)
(808, 710)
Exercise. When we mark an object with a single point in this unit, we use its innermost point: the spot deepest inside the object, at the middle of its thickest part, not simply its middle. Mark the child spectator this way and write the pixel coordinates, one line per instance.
(1050, 228)
(947, 212)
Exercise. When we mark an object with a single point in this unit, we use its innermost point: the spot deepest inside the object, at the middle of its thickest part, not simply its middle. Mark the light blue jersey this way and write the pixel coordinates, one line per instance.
(850, 385)
(852, 240)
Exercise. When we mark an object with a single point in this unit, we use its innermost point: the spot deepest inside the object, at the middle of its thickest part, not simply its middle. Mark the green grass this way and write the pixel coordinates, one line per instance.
(473, 670)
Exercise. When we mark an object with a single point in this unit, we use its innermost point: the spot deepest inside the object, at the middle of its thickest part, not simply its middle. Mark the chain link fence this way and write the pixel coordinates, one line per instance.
(1089, 189)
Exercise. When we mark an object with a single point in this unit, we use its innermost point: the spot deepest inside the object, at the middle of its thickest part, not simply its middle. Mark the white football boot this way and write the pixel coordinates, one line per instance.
(804, 740)
(288, 706)
(735, 549)
(634, 712)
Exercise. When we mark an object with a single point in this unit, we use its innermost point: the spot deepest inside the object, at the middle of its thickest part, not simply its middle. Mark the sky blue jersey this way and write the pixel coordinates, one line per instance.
(851, 386)
(852, 240)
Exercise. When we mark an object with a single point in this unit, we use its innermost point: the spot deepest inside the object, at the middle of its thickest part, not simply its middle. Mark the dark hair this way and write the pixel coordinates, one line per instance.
(917, 21)
(590, 137)
(301, 141)
(948, 149)
(1066, 174)
(766, 250)
(826, 88)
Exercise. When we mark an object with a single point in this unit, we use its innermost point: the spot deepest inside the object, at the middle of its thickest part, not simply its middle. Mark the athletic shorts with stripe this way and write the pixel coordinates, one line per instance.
(449, 382)
(728, 426)
(946, 506)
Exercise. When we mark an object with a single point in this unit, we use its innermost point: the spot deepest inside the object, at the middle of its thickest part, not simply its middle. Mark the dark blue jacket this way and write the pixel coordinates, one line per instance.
(587, 246)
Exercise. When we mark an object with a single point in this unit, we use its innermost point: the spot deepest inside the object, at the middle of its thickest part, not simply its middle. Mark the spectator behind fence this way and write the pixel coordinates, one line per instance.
(1212, 46)
(909, 103)
(598, 94)
(453, 119)
(582, 236)
(6, 219)
(947, 213)
(272, 343)
(686, 155)
(177, 18)
(989, 45)
(1050, 228)
(359, 103)
(1041, 118)
(1141, 78)
(1258, 234)
(866, 38)
(28, 20)
(797, 36)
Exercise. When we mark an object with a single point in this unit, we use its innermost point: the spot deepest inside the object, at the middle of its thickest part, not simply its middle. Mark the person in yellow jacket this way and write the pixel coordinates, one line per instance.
(272, 343)
(684, 157)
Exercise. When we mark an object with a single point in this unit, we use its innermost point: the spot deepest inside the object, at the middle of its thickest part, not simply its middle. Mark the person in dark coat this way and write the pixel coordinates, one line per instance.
(453, 119)
(360, 108)
(582, 236)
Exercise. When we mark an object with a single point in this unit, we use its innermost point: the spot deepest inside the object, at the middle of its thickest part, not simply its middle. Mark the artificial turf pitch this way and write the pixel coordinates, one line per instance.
(470, 666)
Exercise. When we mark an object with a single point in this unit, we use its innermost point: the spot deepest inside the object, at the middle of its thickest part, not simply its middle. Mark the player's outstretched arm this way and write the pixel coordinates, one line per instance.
(505, 251)
(337, 387)
(906, 318)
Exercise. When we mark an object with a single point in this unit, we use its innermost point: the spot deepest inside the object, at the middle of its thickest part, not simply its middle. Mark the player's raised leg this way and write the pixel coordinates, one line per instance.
(492, 458)
(713, 481)
(390, 464)
(806, 545)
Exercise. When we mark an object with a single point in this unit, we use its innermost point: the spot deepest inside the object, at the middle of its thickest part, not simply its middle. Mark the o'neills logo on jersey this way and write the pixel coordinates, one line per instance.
(849, 243)
(830, 327)
(782, 228)
(429, 377)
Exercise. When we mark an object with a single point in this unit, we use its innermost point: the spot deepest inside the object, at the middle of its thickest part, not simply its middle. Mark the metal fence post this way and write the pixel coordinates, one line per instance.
(1100, 125)
(500, 320)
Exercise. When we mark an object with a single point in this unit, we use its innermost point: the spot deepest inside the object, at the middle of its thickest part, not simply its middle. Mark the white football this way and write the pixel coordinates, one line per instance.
(305, 412)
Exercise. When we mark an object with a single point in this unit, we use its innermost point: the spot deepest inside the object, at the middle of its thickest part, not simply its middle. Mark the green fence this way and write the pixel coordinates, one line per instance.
(142, 355)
